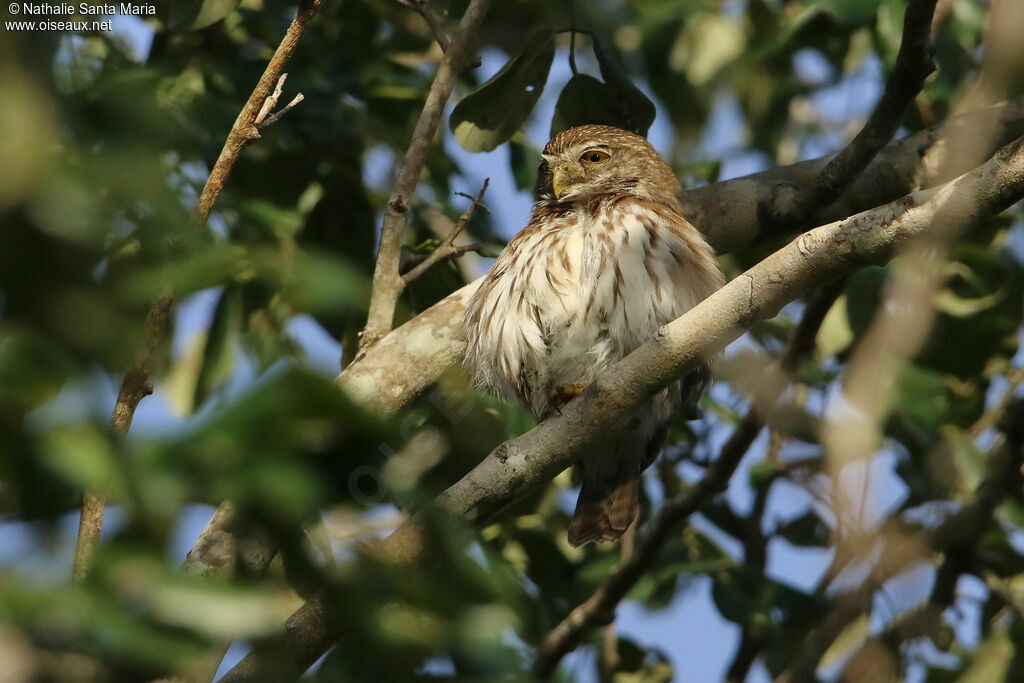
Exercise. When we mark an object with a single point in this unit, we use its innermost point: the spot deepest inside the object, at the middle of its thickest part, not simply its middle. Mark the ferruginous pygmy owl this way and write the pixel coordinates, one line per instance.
(606, 259)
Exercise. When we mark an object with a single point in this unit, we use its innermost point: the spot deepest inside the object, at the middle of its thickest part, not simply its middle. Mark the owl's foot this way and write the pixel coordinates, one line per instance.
(565, 393)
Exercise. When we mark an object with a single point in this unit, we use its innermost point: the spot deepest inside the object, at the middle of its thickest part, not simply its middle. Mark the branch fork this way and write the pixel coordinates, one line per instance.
(447, 249)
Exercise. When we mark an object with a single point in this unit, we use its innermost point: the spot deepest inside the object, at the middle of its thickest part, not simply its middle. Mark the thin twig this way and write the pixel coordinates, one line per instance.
(276, 116)
(412, 260)
(136, 384)
(601, 605)
(387, 282)
(422, 8)
(447, 249)
(271, 102)
(913, 65)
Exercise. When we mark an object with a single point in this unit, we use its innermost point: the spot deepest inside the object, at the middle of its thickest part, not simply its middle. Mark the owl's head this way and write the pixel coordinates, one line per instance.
(582, 163)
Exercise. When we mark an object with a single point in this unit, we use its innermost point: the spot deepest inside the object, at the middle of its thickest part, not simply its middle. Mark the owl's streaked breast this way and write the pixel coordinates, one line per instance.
(573, 293)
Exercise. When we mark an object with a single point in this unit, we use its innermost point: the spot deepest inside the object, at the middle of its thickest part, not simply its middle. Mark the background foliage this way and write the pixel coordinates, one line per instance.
(109, 138)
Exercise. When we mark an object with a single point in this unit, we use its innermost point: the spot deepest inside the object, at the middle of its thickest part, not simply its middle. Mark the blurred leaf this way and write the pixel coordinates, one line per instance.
(197, 14)
(834, 336)
(218, 352)
(524, 159)
(25, 108)
(991, 661)
(747, 597)
(492, 113)
(763, 473)
(849, 641)
(807, 530)
(637, 665)
(708, 44)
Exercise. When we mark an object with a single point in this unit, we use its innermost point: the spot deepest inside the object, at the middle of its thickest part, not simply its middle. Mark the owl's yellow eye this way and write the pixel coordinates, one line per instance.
(594, 156)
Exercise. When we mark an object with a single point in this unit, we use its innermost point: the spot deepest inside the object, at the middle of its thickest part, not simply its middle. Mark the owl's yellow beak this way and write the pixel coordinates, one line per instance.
(562, 176)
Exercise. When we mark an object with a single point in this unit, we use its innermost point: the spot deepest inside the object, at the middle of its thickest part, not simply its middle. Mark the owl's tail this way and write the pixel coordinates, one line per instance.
(604, 513)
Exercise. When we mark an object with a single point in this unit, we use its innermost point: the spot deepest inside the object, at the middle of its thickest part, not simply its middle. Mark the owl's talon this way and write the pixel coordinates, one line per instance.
(565, 393)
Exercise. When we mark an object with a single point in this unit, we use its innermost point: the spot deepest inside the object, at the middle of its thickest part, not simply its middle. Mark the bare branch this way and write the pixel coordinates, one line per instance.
(447, 248)
(136, 384)
(387, 283)
(913, 64)
(820, 255)
(422, 8)
(244, 130)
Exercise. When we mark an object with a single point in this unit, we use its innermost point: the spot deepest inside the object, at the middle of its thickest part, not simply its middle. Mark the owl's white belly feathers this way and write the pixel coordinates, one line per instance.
(573, 294)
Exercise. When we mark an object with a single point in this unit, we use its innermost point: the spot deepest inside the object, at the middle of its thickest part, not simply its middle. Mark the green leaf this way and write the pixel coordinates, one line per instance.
(763, 473)
(710, 43)
(639, 665)
(835, 336)
(745, 596)
(196, 14)
(849, 641)
(492, 113)
(218, 352)
(634, 107)
(807, 530)
(991, 659)
(524, 159)
(583, 100)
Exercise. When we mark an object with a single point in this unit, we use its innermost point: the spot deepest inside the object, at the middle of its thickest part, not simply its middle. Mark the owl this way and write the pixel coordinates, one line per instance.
(606, 259)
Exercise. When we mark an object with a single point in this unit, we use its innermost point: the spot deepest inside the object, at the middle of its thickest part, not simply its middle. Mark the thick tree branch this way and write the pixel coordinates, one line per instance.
(136, 385)
(733, 214)
(737, 213)
(387, 283)
(913, 65)
(517, 466)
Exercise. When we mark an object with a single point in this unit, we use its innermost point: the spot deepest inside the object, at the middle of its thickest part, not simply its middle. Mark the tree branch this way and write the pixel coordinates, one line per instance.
(913, 65)
(422, 8)
(387, 283)
(447, 248)
(136, 384)
(134, 387)
(737, 213)
(517, 466)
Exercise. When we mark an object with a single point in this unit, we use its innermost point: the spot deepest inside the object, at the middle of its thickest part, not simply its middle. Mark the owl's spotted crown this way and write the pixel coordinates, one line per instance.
(593, 135)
